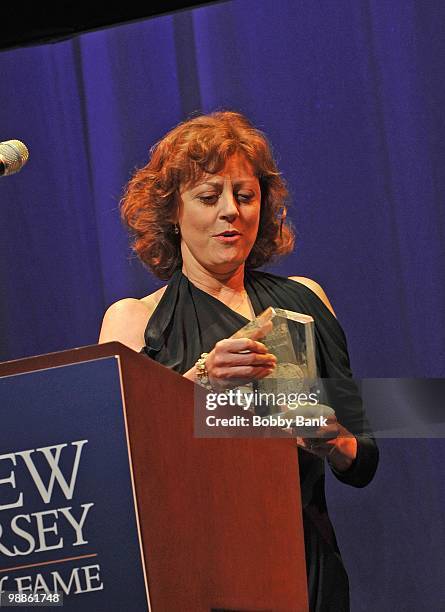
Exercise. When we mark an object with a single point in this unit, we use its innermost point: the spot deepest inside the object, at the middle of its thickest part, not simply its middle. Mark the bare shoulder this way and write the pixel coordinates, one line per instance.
(152, 300)
(125, 320)
(316, 288)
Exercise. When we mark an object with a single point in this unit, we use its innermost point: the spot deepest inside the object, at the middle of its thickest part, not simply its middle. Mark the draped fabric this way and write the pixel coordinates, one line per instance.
(188, 321)
(351, 94)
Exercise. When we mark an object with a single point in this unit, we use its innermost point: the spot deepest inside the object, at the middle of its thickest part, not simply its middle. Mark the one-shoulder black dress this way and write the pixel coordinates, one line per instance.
(189, 321)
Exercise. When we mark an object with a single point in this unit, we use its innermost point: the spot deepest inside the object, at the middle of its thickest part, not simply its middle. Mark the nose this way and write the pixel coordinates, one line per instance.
(229, 210)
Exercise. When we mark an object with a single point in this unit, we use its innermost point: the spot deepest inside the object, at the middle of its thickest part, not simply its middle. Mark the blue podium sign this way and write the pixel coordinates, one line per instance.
(68, 515)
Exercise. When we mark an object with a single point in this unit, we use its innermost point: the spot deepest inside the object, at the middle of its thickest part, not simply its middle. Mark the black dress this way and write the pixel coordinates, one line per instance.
(189, 321)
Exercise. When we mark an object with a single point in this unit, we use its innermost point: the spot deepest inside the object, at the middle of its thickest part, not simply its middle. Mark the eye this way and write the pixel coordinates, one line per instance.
(209, 199)
(244, 197)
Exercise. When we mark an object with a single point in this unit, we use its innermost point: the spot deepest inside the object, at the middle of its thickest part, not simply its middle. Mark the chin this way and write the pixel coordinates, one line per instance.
(226, 267)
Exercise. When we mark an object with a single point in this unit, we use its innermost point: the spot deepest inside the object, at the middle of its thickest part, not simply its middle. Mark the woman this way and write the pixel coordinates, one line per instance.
(208, 208)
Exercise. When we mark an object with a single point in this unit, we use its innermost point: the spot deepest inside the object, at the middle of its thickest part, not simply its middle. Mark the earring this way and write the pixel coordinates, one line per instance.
(282, 219)
(176, 228)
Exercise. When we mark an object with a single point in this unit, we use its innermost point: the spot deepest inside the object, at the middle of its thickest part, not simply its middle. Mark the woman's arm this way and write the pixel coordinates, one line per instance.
(342, 447)
(353, 457)
(125, 321)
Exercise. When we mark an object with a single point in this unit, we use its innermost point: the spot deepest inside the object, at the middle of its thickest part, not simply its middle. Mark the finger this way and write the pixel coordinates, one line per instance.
(265, 372)
(226, 361)
(252, 359)
(249, 372)
(321, 448)
(321, 443)
(321, 452)
(241, 344)
(241, 374)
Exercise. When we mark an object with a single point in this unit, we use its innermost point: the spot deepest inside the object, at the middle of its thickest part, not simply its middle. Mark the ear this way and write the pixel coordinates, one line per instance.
(177, 206)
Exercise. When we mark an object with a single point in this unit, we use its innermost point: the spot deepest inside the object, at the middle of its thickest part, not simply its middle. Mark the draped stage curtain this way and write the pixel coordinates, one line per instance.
(351, 94)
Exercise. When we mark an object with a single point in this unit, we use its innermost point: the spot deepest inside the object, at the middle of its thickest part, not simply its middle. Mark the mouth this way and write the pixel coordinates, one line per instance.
(228, 234)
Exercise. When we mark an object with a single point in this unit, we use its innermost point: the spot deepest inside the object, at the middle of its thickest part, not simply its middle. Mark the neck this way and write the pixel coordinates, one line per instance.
(215, 283)
(227, 287)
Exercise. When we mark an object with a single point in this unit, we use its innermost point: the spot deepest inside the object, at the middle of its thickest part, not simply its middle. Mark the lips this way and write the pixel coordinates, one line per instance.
(228, 237)
(228, 233)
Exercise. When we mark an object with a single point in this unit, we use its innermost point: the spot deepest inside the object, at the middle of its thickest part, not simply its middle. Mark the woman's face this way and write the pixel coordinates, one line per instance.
(219, 216)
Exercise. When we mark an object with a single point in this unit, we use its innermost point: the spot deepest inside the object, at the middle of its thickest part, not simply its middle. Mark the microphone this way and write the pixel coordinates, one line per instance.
(13, 156)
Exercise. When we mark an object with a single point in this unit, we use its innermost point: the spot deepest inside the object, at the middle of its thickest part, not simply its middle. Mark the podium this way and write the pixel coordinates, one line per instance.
(107, 495)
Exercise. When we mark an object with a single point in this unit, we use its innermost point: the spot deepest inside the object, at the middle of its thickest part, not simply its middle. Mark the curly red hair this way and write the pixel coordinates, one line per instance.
(195, 147)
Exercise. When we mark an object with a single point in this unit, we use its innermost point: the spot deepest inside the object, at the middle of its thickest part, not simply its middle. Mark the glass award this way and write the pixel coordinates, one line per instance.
(290, 337)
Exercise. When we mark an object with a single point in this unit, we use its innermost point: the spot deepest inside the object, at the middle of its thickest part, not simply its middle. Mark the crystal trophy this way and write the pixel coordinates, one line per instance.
(290, 337)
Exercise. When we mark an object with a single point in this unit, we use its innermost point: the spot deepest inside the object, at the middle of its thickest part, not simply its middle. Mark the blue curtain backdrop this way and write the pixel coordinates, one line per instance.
(351, 94)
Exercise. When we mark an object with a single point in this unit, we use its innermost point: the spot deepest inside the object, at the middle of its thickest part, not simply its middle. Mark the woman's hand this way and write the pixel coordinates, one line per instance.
(234, 362)
(335, 442)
